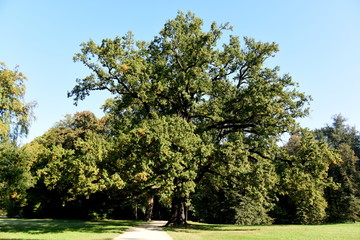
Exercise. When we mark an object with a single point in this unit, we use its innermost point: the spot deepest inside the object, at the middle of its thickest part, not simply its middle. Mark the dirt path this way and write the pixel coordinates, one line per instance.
(150, 231)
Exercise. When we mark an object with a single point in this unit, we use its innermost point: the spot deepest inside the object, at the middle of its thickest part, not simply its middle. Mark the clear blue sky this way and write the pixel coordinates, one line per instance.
(319, 45)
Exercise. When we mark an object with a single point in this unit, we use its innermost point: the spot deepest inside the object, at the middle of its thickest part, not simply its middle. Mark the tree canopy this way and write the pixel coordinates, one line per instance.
(15, 113)
(183, 81)
(193, 128)
(15, 118)
(343, 201)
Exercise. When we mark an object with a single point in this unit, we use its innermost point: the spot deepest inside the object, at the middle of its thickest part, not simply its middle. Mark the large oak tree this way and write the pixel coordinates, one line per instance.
(186, 107)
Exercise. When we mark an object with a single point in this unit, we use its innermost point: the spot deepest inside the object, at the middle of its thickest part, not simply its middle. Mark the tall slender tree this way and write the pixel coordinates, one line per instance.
(344, 202)
(15, 119)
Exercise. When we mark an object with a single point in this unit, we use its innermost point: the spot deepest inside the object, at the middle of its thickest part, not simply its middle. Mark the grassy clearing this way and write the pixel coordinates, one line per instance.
(198, 231)
(39, 229)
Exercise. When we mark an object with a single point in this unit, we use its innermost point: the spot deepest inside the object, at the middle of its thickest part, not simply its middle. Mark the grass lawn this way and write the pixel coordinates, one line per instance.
(39, 229)
(198, 231)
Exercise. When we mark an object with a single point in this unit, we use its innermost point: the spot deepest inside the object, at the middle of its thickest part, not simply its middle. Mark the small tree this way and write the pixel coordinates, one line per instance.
(303, 170)
(15, 178)
(70, 164)
(344, 201)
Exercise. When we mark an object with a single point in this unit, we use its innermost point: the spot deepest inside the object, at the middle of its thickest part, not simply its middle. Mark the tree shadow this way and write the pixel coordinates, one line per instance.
(41, 226)
(211, 227)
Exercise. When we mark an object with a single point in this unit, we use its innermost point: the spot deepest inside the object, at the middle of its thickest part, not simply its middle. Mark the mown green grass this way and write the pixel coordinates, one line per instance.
(40, 229)
(198, 231)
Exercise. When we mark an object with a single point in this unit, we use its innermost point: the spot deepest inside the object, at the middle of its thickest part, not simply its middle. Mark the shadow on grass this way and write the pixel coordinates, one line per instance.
(41, 226)
(210, 227)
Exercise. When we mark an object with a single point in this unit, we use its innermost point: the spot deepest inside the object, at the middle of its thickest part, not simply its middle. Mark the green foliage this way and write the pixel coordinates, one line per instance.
(192, 125)
(339, 133)
(196, 91)
(244, 179)
(159, 152)
(15, 114)
(15, 178)
(252, 211)
(303, 171)
(344, 201)
(211, 203)
(15, 163)
(71, 162)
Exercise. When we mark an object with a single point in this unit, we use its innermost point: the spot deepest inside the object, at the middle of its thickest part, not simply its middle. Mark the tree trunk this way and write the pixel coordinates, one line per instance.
(177, 215)
(149, 208)
(136, 211)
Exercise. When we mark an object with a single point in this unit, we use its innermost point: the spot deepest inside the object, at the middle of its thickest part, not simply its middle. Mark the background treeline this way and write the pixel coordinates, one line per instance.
(69, 172)
(192, 132)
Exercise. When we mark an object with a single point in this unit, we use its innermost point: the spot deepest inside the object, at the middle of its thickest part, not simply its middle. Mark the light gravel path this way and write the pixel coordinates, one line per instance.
(150, 231)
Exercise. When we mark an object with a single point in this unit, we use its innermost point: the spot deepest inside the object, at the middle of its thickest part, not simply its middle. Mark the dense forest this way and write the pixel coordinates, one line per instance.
(193, 131)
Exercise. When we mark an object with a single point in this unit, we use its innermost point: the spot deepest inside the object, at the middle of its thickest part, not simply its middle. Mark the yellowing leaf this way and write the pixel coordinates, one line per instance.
(124, 67)
(141, 176)
(141, 132)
